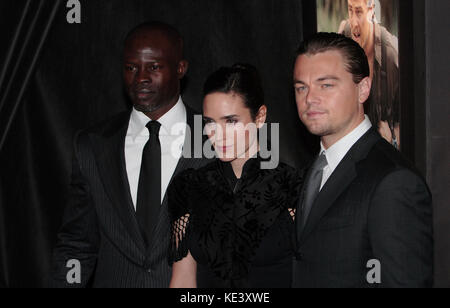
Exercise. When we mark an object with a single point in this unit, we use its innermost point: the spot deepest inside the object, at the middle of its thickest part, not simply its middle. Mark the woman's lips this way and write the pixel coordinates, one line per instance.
(224, 148)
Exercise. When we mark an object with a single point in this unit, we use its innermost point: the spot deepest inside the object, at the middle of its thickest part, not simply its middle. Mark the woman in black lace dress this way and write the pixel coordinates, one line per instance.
(232, 220)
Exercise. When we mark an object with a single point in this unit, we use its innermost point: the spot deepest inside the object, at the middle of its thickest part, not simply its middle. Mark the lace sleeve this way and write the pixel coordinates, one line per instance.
(179, 198)
(179, 238)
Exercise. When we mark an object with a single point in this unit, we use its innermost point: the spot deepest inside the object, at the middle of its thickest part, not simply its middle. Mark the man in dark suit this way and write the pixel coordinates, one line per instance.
(365, 214)
(115, 230)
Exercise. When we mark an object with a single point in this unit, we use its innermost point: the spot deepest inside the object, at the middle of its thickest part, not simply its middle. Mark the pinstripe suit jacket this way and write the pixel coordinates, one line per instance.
(99, 228)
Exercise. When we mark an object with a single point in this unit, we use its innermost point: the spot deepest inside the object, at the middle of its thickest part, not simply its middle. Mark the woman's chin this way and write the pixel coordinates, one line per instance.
(226, 160)
(225, 156)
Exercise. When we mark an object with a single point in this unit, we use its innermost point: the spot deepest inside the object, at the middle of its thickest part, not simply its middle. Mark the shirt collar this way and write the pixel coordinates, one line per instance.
(138, 121)
(337, 151)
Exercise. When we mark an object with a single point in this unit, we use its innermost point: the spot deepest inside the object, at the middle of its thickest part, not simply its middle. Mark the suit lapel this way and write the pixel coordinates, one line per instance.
(342, 176)
(300, 202)
(110, 154)
(340, 179)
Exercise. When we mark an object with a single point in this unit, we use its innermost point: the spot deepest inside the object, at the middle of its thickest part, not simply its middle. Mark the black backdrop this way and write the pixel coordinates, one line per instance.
(76, 82)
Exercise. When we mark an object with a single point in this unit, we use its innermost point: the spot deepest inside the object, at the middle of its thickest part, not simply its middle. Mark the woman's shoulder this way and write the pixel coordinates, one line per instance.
(289, 177)
(191, 178)
(196, 174)
(284, 166)
(288, 170)
(188, 189)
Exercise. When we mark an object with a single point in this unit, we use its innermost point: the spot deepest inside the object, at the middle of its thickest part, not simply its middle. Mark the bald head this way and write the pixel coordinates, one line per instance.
(156, 30)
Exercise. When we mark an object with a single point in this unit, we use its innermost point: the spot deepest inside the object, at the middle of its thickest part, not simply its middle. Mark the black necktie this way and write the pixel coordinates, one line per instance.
(149, 188)
(313, 187)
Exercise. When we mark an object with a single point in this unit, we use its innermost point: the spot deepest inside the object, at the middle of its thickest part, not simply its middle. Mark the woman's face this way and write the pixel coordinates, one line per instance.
(230, 126)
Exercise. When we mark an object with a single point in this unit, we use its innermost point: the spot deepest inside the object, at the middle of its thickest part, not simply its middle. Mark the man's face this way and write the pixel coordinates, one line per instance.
(152, 71)
(360, 17)
(329, 103)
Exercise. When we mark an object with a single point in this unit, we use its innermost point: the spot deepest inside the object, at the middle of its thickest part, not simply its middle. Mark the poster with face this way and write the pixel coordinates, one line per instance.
(373, 24)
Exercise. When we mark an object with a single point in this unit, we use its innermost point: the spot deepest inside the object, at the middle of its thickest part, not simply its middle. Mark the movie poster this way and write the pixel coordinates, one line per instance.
(374, 25)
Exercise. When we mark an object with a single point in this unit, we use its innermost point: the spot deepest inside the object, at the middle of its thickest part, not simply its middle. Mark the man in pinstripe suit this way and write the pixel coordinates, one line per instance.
(101, 229)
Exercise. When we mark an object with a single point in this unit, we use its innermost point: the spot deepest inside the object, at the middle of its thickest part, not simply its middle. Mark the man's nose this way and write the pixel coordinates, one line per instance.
(312, 96)
(143, 76)
(353, 20)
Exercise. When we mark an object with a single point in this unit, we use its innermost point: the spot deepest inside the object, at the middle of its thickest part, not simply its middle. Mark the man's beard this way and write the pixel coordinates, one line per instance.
(321, 130)
(147, 108)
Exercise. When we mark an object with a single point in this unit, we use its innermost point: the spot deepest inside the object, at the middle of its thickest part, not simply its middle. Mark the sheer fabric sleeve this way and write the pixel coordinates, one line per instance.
(180, 211)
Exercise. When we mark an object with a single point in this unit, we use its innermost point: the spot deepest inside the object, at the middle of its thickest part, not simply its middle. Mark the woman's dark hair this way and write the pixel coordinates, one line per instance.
(240, 79)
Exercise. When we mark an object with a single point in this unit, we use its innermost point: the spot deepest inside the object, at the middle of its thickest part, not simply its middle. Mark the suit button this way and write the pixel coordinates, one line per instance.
(298, 256)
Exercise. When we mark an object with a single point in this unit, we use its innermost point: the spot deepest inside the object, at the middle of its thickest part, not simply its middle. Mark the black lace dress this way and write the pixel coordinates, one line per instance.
(239, 231)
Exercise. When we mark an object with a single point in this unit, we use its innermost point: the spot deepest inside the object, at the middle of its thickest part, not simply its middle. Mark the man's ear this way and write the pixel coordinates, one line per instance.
(183, 66)
(364, 89)
(261, 116)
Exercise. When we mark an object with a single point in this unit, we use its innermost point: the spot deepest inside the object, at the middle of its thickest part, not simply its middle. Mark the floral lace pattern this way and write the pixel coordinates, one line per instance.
(222, 227)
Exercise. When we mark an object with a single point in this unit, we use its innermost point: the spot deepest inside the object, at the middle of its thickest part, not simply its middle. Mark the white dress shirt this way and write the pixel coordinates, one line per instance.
(337, 151)
(171, 136)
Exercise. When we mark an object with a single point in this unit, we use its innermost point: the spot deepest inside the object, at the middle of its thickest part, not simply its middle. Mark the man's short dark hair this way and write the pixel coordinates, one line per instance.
(169, 31)
(355, 57)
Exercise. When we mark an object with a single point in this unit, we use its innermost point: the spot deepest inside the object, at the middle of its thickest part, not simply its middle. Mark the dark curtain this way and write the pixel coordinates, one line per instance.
(29, 36)
(62, 77)
(437, 130)
(24, 236)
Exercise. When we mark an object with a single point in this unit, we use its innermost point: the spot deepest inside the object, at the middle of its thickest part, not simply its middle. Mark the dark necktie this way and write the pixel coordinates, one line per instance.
(313, 187)
(149, 188)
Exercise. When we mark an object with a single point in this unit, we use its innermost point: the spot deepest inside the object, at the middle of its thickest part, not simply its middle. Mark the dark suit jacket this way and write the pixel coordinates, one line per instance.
(373, 206)
(100, 227)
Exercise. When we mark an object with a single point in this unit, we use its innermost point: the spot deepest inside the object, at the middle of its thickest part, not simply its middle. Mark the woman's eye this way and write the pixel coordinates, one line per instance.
(210, 125)
(210, 128)
(231, 121)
